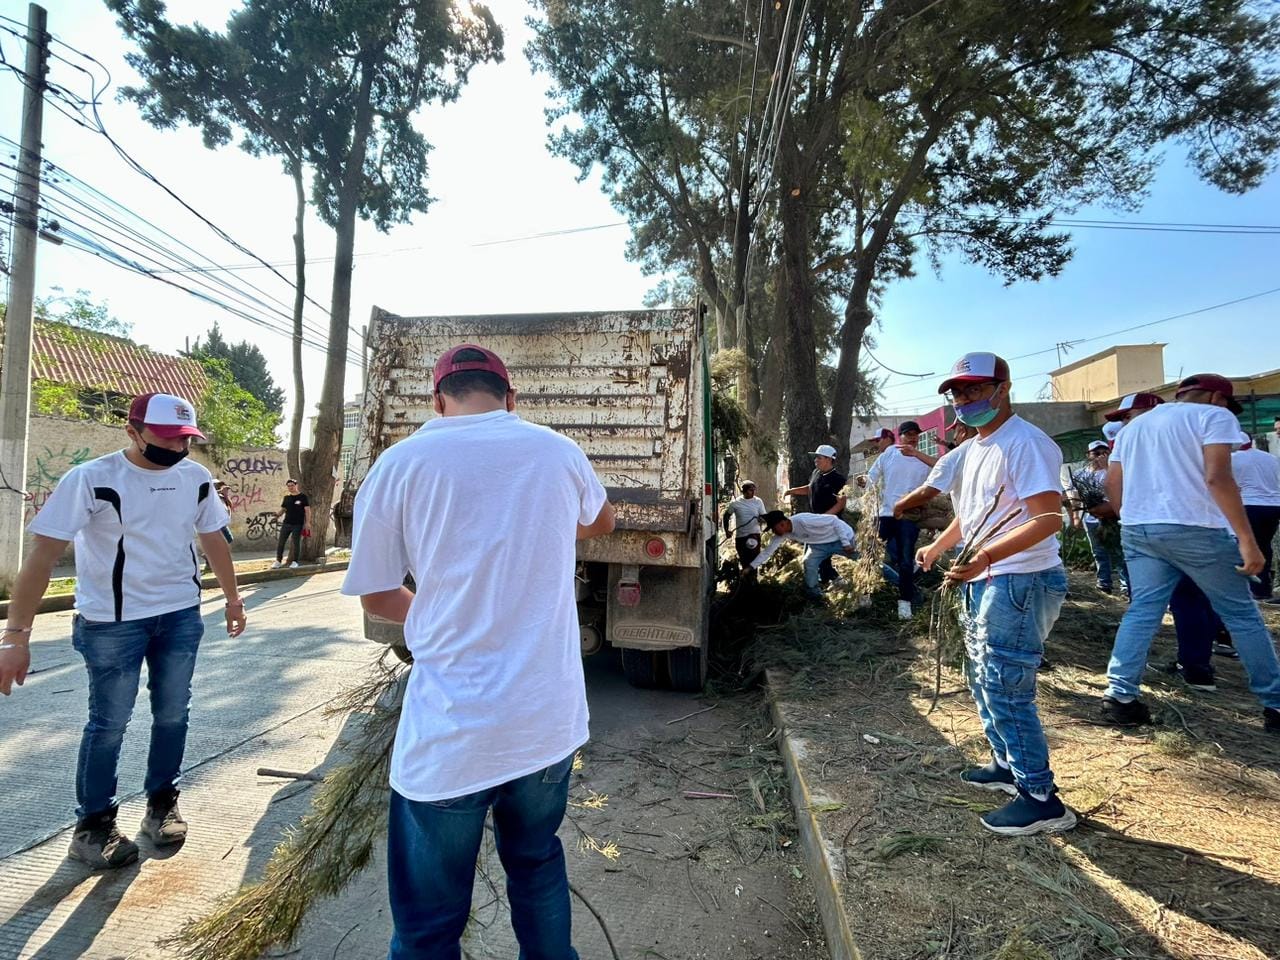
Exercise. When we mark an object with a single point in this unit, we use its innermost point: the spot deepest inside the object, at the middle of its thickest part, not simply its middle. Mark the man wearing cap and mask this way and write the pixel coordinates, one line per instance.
(131, 514)
(495, 706)
(1093, 518)
(1013, 589)
(899, 470)
(825, 492)
(1171, 482)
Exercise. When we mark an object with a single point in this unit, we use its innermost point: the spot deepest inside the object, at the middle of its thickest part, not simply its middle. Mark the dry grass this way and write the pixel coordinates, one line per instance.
(1177, 854)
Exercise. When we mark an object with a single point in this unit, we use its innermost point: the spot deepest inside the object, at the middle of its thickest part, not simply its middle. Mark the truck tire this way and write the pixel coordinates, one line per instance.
(643, 668)
(688, 669)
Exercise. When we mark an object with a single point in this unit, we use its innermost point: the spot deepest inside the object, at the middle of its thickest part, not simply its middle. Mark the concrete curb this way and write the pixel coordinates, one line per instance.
(824, 860)
(67, 601)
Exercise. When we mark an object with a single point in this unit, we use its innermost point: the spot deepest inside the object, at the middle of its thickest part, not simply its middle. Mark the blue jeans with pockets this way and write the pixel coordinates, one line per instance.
(1007, 618)
(114, 652)
(431, 861)
(1159, 555)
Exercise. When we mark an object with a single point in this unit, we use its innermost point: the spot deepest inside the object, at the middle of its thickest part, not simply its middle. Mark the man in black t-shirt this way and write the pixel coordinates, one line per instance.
(295, 514)
(824, 491)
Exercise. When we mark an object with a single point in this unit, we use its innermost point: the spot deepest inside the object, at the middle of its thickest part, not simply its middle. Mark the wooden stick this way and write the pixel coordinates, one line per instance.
(289, 775)
(694, 714)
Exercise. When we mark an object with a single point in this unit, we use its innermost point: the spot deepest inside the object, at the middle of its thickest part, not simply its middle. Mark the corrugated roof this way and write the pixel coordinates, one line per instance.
(98, 361)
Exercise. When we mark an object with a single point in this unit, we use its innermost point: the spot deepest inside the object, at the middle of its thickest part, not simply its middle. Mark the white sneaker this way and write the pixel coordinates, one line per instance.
(277, 565)
(292, 565)
(904, 609)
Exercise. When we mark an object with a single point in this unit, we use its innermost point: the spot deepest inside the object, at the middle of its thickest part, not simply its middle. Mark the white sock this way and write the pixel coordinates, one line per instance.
(1002, 764)
(1042, 797)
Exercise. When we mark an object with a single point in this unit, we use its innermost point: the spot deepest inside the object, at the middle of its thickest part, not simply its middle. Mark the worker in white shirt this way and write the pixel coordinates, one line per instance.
(745, 511)
(823, 535)
(1258, 475)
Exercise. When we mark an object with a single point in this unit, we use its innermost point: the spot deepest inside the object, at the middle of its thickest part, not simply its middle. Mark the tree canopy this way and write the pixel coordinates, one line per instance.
(246, 364)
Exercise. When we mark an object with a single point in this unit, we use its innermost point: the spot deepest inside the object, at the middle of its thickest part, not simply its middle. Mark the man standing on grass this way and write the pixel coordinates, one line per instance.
(822, 534)
(1014, 587)
(745, 512)
(1171, 482)
(131, 514)
(495, 706)
(900, 470)
(825, 492)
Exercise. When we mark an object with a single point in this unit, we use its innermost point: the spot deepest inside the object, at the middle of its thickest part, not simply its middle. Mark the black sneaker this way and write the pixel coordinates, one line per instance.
(1131, 714)
(1225, 650)
(163, 822)
(1195, 678)
(1024, 816)
(991, 777)
(1271, 720)
(98, 842)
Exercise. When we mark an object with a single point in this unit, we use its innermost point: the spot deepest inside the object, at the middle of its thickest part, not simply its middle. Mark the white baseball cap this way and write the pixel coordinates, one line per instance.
(826, 450)
(166, 415)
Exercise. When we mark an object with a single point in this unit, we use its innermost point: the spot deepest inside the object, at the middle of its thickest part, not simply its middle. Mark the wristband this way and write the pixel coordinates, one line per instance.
(13, 646)
(17, 629)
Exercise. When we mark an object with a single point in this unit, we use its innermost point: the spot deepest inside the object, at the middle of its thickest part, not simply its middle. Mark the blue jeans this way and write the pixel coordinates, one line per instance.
(1159, 554)
(431, 862)
(900, 538)
(1006, 620)
(815, 554)
(1102, 556)
(113, 654)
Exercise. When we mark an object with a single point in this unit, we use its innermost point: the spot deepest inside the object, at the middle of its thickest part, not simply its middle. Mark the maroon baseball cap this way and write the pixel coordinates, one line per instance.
(490, 363)
(1135, 401)
(1211, 381)
(165, 415)
(976, 368)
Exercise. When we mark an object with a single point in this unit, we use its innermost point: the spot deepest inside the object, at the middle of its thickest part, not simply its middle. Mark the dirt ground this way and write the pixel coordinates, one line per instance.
(1178, 849)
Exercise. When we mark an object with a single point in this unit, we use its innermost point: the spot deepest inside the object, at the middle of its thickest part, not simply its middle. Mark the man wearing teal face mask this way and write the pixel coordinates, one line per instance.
(1013, 589)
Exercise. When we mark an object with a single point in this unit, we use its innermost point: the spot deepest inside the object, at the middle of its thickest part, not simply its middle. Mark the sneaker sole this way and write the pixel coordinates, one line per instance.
(1202, 687)
(1057, 825)
(1007, 788)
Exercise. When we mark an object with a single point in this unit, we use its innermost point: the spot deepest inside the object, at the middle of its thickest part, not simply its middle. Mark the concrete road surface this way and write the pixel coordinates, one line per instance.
(683, 878)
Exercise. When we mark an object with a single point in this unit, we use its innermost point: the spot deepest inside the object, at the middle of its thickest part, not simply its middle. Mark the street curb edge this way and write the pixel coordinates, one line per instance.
(819, 853)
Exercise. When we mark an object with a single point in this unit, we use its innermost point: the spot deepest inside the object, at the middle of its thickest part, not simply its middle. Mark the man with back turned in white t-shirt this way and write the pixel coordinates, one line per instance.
(1170, 480)
(131, 514)
(495, 706)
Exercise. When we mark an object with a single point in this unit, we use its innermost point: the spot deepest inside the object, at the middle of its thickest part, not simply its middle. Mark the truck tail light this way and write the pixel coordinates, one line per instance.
(628, 593)
(655, 548)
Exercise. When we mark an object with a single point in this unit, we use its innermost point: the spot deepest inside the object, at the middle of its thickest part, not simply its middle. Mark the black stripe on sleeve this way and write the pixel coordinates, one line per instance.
(204, 492)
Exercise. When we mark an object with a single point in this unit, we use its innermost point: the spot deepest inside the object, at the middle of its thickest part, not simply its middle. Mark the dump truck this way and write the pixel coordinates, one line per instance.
(631, 389)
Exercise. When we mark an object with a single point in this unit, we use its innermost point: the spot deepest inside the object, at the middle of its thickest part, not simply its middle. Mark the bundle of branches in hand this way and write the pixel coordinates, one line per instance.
(946, 612)
(1089, 488)
(867, 573)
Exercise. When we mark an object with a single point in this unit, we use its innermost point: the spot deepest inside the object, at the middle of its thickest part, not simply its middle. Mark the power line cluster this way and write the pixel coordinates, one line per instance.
(86, 219)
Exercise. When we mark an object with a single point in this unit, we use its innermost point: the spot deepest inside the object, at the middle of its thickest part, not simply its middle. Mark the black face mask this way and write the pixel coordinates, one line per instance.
(162, 456)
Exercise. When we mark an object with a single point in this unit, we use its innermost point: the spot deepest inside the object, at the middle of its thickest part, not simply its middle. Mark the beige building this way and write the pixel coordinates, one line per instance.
(1110, 374)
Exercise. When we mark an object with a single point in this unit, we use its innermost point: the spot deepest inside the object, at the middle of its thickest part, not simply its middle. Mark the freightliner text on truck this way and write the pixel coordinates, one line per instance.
(631, 388)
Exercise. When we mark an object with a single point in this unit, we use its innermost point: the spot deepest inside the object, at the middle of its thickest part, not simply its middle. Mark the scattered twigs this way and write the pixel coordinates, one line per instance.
(604, 927)
(694, 714)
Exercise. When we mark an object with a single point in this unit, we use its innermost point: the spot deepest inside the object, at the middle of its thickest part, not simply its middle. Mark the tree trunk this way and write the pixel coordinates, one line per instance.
(321, 468)
(292, 457)
(857, 318)
(806, 417)
(759, 461)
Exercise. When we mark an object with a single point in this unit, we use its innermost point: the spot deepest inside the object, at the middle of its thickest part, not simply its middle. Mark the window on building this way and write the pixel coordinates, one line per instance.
(929, 442)
(347, 458)
(350, 419)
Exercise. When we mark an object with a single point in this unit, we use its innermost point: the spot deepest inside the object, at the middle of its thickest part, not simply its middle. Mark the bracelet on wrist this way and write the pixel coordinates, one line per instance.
(14, 646)
(17, 629)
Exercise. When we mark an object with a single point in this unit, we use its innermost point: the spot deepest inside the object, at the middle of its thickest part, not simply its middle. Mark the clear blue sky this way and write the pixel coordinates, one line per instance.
(494, 180)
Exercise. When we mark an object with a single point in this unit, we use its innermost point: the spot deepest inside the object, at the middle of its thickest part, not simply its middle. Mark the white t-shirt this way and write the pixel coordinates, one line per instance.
(809, 528)
(900, 475)
(1162, 456)
(746, 516)
(496, 691)
(1258, 475)
(945, 475)
(1025, 461)
(132, 529)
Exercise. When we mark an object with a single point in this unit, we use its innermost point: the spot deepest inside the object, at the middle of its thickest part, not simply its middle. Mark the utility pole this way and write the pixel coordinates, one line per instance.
(15, 376)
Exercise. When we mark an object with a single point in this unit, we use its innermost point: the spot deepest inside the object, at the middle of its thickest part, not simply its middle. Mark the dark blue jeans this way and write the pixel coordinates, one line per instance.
(113, 654)
(431, 862)
(1102, 557)
(1196, 624)
(900, 538)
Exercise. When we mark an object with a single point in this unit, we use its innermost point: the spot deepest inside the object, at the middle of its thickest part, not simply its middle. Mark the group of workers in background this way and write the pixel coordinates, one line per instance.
(1197, 507)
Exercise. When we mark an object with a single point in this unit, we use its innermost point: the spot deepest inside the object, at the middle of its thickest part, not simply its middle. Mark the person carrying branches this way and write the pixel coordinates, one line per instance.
(1013, 585)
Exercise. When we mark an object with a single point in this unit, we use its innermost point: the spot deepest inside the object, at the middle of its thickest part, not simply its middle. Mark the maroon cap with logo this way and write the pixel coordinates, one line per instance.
(976, 368)
(165, 415)
(490, 363)
(1211, 381)
(1135, 401)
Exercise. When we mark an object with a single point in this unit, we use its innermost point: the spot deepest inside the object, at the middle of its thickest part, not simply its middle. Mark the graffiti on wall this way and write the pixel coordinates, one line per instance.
(265, 525)
(255, 484)
(46, 469)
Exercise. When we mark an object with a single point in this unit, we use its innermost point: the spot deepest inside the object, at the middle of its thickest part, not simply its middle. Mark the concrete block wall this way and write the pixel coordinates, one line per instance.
(254, 475)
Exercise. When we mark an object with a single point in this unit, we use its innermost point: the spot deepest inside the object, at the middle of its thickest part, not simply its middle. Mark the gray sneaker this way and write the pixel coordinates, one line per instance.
(98, 842)
(163, 822)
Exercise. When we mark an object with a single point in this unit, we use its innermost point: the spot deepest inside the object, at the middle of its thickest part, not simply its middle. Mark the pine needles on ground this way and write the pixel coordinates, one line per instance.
(330, 846)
